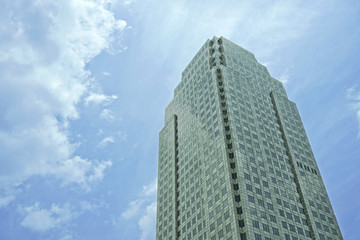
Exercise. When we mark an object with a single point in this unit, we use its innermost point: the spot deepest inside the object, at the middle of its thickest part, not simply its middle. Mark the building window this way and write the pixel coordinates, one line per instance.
(272, 218)
(212, 227)
(228, 228)
(292, 228)
(266, 227)
(276, 231)
(258, 236)
(243, 236)
(221, 234)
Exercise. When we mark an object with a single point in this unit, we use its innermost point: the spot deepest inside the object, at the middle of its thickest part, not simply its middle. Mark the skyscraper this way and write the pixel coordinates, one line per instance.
(234, 158)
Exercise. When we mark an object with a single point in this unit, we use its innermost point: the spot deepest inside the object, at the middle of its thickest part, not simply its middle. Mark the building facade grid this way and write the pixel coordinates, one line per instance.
(234, 158)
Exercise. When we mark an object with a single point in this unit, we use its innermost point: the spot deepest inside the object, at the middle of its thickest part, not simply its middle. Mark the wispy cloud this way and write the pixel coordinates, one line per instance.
(127, 2)
(80, 171)
(107, 115)
(133, 209)
(8, 194)
(147, 192)
(5, 200)
(353, 94)
(105, 141)
(98, 171)
(143, 209)
(92, 205)
(284, 77)
(41, 219)
(256, 25)
(97, 98)
(45, 48)
(147, 222)
(120, 135)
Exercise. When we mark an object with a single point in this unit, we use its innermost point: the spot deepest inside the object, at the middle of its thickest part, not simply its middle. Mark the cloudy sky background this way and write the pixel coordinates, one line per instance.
(84, 85)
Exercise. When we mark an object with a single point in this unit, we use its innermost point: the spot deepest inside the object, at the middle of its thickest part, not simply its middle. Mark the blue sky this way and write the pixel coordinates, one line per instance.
(84, 85)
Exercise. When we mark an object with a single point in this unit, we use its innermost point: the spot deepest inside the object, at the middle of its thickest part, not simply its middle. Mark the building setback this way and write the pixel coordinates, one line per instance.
(234, 158)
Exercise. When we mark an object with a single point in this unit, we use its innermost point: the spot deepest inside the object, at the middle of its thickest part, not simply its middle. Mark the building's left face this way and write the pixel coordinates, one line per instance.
(181, 150)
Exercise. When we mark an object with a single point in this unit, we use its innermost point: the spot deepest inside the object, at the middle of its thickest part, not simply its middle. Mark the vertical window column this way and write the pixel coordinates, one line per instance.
(229, 147)
(273, 100)
(176, 175)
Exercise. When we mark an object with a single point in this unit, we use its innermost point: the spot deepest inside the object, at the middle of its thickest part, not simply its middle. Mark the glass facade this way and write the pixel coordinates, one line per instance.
(234, 158)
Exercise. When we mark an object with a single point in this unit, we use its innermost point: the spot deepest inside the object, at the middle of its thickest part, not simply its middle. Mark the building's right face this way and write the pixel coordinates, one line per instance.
(234, 159)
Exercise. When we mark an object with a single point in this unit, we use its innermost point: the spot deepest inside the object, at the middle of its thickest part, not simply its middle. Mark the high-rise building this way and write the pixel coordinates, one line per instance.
(234, 158)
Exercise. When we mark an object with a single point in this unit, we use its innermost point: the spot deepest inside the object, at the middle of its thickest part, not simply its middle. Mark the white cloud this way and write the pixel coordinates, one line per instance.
(147, 222)
(98, 171)
(354, 95)
(45, 48)
(100, 132)
(4, 201)
(105, 141)
(91, 206)
(67, 237)
(97, 98)
(351, 93)
(40, 219)
(8, 194)
(150, 189)
(127, 2)
(133, 209)
(107, 115)
(81, 171)
(284, 78)
(143, 209)
(122, 135)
